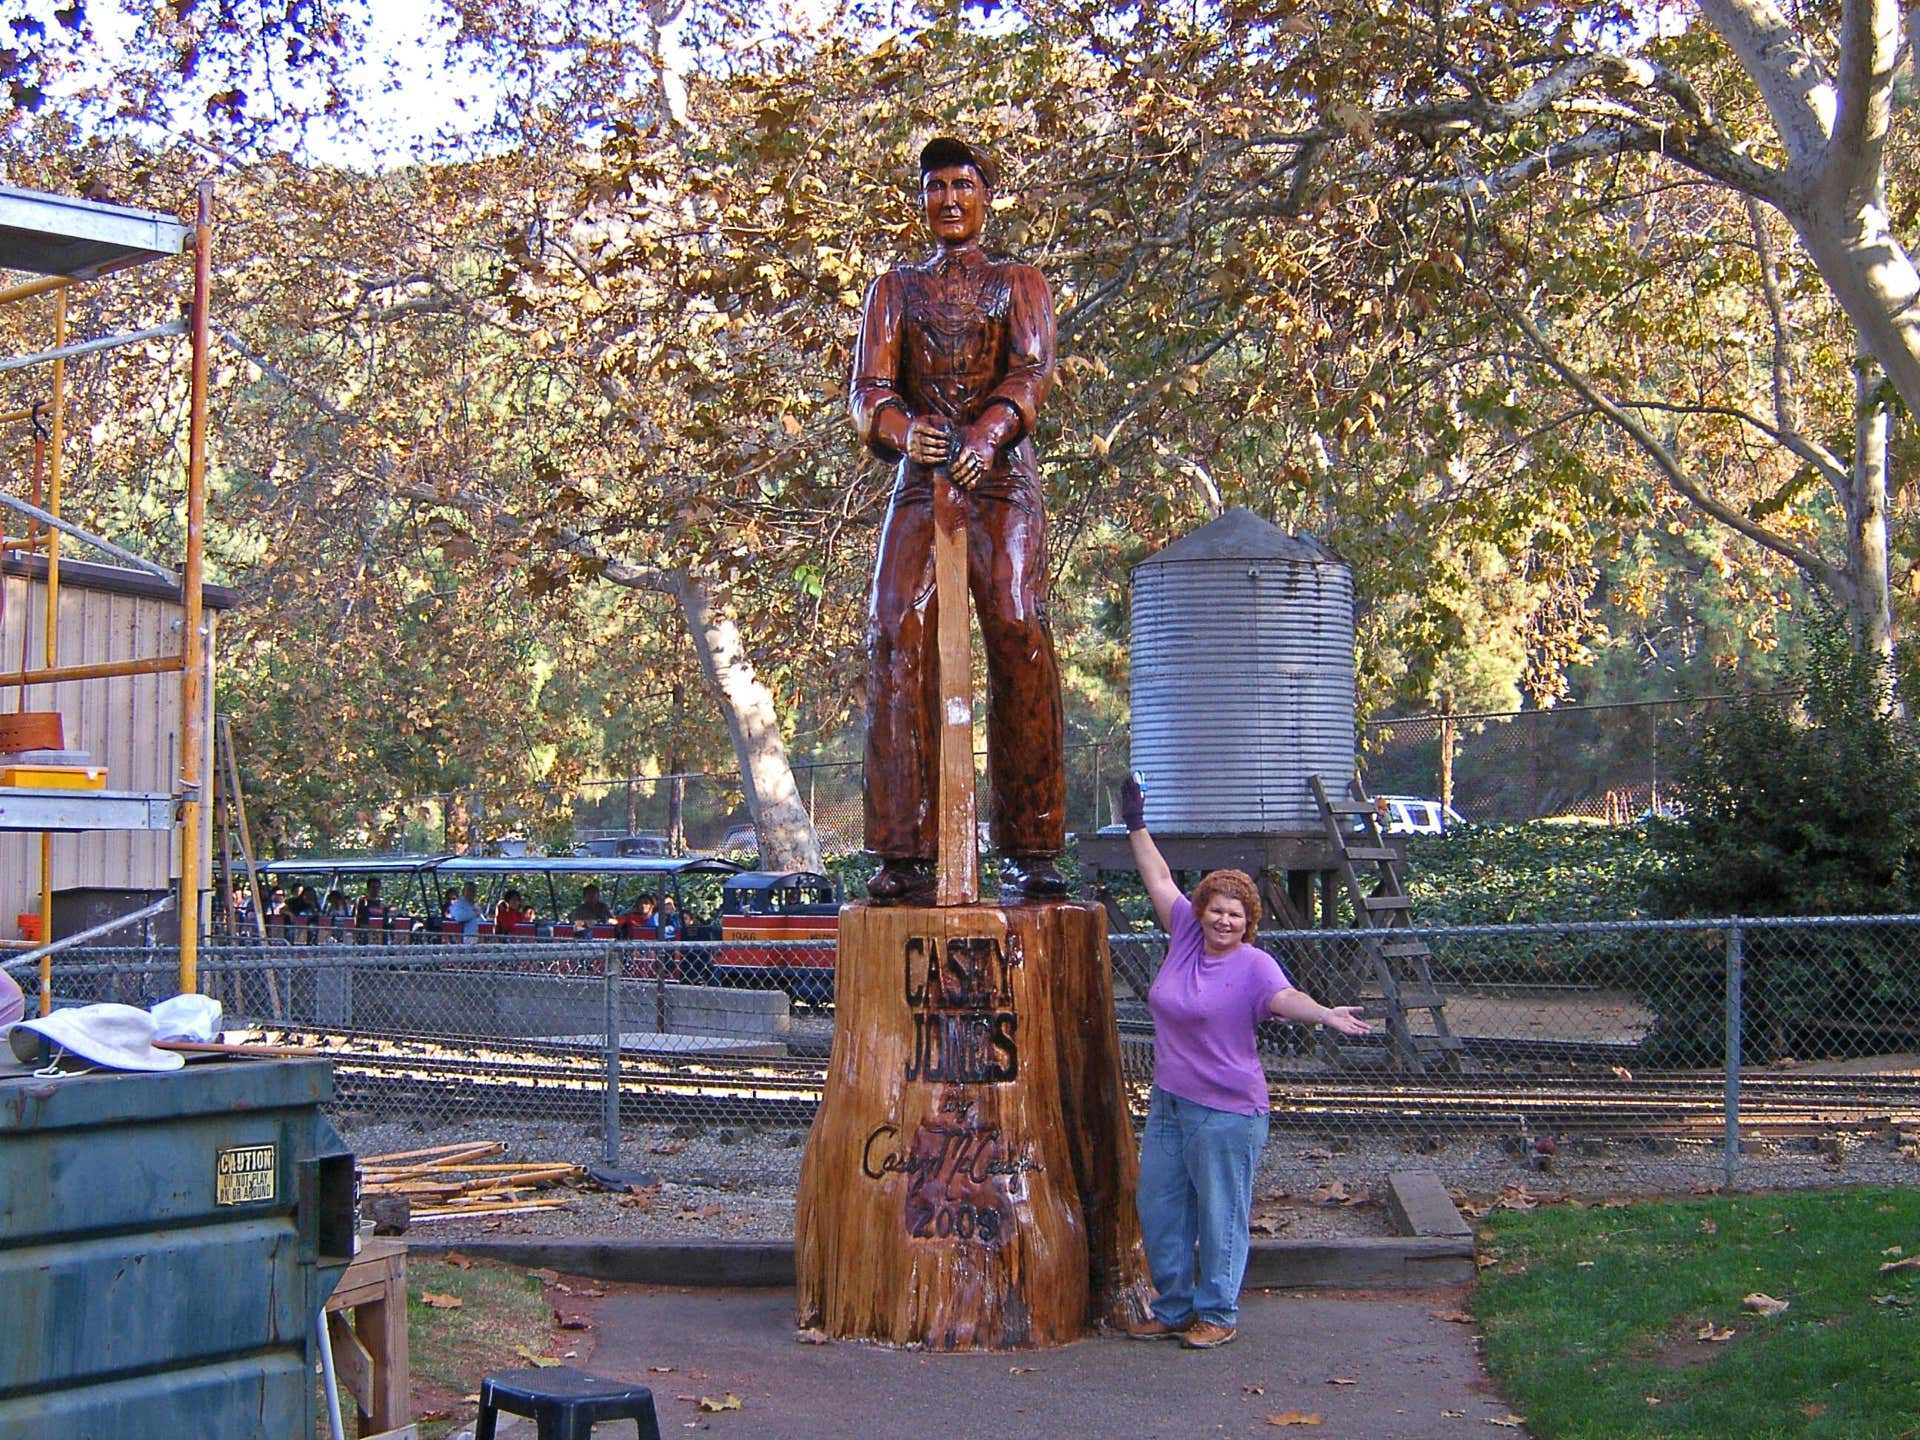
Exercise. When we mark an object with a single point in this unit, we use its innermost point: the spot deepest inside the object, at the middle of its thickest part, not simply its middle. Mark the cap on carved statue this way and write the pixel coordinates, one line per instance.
(939, 153)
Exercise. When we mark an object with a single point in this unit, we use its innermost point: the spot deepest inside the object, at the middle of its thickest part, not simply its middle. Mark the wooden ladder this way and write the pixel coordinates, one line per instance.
(1402, 965)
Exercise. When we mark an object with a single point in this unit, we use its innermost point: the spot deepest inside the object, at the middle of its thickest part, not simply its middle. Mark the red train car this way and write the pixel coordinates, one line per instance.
(771, 929)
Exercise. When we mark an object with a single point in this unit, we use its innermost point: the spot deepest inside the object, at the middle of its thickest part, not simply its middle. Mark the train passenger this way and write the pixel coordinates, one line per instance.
(511, 911)
(591, 910)
(639, 923)
(464, 913)
(370, 914)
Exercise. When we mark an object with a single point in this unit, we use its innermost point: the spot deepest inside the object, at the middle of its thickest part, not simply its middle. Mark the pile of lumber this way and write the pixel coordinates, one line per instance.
(448, 1182)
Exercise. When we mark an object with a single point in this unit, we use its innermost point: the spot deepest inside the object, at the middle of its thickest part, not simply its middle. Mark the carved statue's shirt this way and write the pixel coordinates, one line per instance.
(950, 336)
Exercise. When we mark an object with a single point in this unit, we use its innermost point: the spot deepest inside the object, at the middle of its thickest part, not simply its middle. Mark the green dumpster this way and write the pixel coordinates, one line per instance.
(166, 1242)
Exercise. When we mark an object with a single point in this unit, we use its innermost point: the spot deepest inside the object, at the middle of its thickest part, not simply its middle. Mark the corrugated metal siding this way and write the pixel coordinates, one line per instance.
(129, 723)
(1242, 688)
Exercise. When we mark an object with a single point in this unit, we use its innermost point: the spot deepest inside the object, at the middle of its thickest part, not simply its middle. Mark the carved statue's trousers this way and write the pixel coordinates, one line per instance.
(1007, 575)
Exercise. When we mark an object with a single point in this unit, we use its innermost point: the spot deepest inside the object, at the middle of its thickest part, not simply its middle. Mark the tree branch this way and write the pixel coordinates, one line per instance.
(1814, 566)
(1869, 40)
(1798, 93)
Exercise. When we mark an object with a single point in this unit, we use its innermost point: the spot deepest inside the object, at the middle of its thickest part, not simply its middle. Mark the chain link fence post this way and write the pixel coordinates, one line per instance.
(610, 1101)
(1736, 967)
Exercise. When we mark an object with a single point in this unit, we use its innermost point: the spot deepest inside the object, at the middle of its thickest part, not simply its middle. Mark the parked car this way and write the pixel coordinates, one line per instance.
(759, 910)
(1411, 815)
(647, 844)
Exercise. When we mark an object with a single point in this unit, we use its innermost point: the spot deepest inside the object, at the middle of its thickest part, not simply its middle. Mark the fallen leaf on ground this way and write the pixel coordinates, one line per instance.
(1453, 1414)
(1584, 1264)
(659, 1369)
(1711, 1332)
(1912, 1262)
(1509, 1422)
(1294, 1417)
(1316, 1154)
(1707, 1226)
(467, 1262)
(1253, 1389)
(433, 1300)
(667, 1147)
(714, 1407)
(1890, 1250)
(1762, 1303)
(545, 1362)
(1342, 1380)
(571, 1322)
(1021, 1369)
(1894, 1302)
(1334, 1192)
(812, 1335)
(1483, 1261)
(1453, 1317)
(1268, 1223)
(546, 1276)
(1518, 1198)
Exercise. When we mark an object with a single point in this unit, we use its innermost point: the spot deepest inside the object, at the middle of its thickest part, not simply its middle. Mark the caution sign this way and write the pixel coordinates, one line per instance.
(245, 1175)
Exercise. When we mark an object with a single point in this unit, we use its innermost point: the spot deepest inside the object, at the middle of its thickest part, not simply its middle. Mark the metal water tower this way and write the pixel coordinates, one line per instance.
(1242, 691)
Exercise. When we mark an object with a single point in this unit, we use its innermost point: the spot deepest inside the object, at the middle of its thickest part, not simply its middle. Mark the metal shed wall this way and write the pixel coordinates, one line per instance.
(129, 723)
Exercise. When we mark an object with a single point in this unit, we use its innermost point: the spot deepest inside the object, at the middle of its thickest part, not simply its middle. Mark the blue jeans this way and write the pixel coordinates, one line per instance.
(1196, 1192)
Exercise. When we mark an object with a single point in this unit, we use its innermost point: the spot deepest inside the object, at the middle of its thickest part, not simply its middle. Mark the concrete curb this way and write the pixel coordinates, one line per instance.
(1438, 1251)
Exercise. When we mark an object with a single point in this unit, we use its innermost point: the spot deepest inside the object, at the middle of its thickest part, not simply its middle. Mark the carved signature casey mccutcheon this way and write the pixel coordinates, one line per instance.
(950, 1170)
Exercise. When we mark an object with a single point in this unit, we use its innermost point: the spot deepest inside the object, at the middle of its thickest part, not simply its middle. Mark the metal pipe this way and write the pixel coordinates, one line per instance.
(28, 508)
(90, 347)
(194, 649)
(610, 1097)
(101, 670)
(1736, 967)
(44, 954)
(27, 289)
(51, 642)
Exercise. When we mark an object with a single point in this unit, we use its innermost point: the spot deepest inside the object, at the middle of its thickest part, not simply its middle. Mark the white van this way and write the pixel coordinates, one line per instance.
(1410, 815)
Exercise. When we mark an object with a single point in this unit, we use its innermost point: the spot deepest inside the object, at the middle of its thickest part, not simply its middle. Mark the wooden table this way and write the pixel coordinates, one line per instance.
(370, 1354)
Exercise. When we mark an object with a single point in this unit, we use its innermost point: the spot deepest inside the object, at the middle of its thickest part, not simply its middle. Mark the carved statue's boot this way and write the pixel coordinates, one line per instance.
(900, 881)
(1031, 877)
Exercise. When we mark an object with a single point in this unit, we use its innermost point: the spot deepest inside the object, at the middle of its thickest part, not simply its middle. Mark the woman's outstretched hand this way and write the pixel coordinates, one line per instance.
(1346, 1019)
(1133, 803)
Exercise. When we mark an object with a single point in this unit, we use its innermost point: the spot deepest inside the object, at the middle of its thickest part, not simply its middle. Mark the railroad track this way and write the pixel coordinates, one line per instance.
(410, 1075)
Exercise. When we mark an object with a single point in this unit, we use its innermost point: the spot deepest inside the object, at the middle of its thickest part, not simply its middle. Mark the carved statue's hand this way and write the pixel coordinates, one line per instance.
(929, 440)
(973, 462)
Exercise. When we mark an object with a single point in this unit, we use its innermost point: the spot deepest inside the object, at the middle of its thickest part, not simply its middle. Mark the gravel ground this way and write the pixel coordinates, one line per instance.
(703, 1182)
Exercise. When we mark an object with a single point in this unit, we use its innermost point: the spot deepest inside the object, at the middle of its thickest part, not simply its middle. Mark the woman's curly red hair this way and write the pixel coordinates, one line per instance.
(1235, 885)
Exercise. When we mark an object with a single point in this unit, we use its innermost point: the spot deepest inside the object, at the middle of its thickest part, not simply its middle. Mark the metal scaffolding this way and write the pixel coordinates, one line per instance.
(64, 241)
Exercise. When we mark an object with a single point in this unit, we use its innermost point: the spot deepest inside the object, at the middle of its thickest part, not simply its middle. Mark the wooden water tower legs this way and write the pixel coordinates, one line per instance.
(969, 1179)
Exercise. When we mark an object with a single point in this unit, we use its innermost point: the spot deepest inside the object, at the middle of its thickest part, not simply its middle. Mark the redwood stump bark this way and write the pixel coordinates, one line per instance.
(969, 1179)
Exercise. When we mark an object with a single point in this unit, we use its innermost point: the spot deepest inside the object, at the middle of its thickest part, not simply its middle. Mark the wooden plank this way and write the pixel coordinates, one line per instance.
(958, 866)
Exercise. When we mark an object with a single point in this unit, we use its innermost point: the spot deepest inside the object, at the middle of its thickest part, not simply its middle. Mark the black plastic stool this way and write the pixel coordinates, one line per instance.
(564, 1403)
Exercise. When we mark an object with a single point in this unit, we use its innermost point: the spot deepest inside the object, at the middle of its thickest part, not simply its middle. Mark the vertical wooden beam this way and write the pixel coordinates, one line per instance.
(193, 674)
(958, 881)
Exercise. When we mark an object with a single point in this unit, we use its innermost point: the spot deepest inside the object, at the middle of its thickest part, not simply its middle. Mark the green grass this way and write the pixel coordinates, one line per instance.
(502, 1312)
(1591, 1317)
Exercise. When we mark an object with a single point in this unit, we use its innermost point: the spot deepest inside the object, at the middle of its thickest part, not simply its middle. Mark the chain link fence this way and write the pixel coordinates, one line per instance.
(1613, 763)
(1649, 1057)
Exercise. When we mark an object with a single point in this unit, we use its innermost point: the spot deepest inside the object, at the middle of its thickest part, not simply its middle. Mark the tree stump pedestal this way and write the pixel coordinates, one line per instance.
(969, 1178)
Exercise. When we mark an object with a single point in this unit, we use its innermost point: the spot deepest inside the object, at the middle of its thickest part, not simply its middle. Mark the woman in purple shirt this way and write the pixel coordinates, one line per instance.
(1208, 1120)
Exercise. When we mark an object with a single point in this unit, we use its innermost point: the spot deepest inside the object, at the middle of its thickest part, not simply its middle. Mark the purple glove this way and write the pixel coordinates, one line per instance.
(1133, 803)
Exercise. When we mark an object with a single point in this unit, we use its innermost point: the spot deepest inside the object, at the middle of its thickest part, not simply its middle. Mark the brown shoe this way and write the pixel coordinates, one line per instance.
(1154, 1328)
(1205, 1335)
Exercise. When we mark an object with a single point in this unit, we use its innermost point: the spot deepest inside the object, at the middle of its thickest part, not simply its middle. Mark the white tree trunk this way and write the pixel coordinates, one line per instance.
(787, 841)
(1874, 280)
(1867, 545)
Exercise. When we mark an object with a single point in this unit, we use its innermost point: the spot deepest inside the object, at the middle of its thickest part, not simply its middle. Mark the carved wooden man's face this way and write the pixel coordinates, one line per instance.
(954, 200)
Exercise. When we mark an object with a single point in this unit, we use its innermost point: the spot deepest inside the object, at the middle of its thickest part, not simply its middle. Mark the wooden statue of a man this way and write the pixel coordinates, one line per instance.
(954, 359)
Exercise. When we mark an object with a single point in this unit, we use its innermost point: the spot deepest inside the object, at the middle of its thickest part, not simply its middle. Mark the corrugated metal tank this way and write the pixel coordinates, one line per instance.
(1242, 678)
